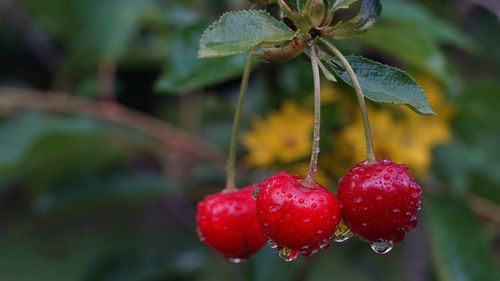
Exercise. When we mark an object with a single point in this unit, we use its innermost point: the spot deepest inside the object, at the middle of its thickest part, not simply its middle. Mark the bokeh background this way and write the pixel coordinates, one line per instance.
(111, 130)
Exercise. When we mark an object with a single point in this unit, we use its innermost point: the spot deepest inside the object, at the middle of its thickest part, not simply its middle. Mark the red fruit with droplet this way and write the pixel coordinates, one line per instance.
(380, 201)
(227, 222)
(295, 216)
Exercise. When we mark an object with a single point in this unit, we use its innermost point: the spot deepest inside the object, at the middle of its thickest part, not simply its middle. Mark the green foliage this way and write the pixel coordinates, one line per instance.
(235, 33)
(368, 14)
(458, 244)
(383, 83)
(184, 72)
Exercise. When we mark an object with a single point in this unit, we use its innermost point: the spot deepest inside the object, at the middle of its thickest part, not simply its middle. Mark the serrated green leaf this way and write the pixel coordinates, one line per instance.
(184, 72)
(235, 33)
(383, 83)
(369, 12)
(458, 242)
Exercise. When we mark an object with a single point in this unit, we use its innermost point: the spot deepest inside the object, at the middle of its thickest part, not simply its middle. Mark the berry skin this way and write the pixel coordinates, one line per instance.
(227, 222)
(296, 217)
(380, 202)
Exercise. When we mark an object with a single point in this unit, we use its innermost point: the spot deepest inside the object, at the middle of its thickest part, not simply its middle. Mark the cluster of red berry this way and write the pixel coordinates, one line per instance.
(378, 202)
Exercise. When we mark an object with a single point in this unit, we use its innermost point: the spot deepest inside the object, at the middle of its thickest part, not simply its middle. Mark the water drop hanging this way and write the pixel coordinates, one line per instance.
(382, 247)
(343, 233)
(287, 255)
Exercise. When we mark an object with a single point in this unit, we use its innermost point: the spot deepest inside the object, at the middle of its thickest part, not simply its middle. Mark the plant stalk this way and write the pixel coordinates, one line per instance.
(313, 165)
(230, 169)
(370, 152)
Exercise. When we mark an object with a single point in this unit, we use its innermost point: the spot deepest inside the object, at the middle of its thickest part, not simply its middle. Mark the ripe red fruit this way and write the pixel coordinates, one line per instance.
(227, 222)
(294, 217)
(380, 202)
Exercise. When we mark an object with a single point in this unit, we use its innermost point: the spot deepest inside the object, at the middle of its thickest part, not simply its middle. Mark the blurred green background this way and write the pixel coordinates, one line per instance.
(111, 130)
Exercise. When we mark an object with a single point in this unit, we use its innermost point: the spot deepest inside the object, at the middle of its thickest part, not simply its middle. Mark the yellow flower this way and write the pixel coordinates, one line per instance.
(408, 139)
(284, 136)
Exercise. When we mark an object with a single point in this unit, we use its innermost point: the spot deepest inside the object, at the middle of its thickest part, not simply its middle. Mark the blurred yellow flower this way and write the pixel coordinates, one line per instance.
(407, 139)
(284, 136)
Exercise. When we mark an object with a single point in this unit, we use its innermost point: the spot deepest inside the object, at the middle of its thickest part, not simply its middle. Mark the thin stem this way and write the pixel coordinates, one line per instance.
(359, 95)
(230, 178)
(313, 165)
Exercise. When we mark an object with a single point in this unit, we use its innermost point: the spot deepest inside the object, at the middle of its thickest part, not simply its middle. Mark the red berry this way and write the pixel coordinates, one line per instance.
(294, 217)
(380, 202)
(227, 222)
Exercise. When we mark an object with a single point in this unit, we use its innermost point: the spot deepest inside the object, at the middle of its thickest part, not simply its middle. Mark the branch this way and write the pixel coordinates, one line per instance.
(168, 135)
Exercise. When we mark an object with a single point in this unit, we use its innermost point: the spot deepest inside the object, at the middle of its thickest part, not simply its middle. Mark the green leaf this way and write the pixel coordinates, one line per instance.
(235, 33)
(339, 4)
(369, 12)
(458, 242)
(383, 83)
(184, 72)
(328, 75)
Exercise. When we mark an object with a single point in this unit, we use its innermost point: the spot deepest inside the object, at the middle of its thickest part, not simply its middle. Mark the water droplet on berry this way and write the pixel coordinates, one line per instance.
(419, 205)
(306, 220)
(387, 177)
(272, 244)
(289, 195)
(314, 205)
(358, 200)
(408, 213)
(396, 210)
(200, 235)
(287, 255)
(386, 160)
(379, 197)
(319, 232)
(364, 224)
(324, 244)
(382, 247)
(308, 253)
(301, 201)
(343, 233)
(235, 260)
(255, 193)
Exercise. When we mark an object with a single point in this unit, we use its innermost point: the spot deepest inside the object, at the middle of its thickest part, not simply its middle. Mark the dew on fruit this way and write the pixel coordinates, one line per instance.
(396, 210)
(358, 200)
(301, 201)
(343, 233)
(364, 224)
(408, 213)
(306, 220)
(235, 260)
(319, 232)
(387, 177)
(272, 244)
(200, 235)
(324, 244)
(419, 205)
(382, 247)
(308, 253)
(289, 195)
(314, 205)
(287, 255)
(255, 193)
(379, 197)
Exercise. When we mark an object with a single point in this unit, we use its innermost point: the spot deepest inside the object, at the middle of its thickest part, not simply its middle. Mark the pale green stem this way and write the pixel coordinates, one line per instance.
(359, 94)
(313, 165)
(230, 178)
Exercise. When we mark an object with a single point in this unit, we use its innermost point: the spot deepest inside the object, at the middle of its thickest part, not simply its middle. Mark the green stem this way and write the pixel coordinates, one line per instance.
(359, 94)
(313, 165)
(230, 178)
